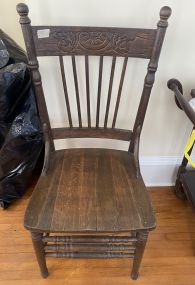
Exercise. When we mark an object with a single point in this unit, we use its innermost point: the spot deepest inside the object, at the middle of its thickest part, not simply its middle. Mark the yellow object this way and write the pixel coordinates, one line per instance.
(188, 146)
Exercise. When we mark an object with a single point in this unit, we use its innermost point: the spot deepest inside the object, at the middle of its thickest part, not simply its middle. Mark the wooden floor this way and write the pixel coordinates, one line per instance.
(169, 257)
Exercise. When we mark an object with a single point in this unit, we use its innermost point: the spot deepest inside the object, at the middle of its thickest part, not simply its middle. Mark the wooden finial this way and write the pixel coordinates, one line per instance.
(171, 85)
(22, 9)
(165, 13)
(172, 82)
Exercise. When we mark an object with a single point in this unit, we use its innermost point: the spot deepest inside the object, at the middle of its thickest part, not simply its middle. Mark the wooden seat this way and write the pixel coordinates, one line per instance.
(90, 190)
(91, 203)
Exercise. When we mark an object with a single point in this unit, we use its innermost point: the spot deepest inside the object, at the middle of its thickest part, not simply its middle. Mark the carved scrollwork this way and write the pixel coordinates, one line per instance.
(105, 42)
(94, 40)
(66, 41)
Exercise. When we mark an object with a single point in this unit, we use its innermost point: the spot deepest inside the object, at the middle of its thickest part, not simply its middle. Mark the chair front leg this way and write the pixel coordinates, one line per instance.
(139, 251)
(37, 240)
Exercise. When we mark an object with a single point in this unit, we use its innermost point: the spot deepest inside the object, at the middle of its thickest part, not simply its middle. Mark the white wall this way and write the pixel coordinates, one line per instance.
(166, 128)
(9, 20)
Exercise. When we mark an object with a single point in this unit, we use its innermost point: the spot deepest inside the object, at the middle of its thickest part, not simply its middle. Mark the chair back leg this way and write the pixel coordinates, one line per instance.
(139, 251)
(37, 240)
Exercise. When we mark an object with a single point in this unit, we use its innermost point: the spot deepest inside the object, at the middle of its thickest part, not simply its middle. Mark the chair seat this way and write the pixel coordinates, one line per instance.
(90, 190)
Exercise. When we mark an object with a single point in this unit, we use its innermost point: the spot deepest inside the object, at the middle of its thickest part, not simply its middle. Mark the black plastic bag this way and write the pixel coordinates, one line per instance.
(20, 132)
(14, 85)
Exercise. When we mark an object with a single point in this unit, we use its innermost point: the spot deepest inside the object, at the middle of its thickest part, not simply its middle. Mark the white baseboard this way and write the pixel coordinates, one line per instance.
(159, 170)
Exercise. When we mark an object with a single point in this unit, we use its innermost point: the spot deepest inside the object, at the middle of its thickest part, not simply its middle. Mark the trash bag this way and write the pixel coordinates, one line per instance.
(21, 138)
(4, 54)
(14, 84)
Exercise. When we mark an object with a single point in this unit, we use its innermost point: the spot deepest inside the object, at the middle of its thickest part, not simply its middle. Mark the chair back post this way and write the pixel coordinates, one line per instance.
(33, 65)
(162, 25)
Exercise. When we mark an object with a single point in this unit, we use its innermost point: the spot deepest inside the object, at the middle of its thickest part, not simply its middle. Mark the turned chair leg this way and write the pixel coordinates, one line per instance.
(140, 246)
(40, 253)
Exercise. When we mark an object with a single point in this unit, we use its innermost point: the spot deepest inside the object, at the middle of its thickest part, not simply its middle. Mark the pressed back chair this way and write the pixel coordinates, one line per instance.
(91, 203)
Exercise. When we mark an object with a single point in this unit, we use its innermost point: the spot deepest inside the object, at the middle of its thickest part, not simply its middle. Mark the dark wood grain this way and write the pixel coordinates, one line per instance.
(87, 90)
(106, 204)
(48, 151)
(85, 247)
(40, 252)
(47, 195)
(94, 41)
(65, 90)
(99, 91)
(90, 239)
(76, 90)
(141, 243)
(85, 194)
(90, 254)
(110, 91)
(119, 91)
(117, 134)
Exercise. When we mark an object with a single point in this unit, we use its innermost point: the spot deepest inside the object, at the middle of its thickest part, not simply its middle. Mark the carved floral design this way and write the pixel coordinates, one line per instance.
(107, 42)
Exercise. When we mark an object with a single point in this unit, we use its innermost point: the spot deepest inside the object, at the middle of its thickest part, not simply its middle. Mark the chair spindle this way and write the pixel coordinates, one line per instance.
(110, 90)
(76, 90)
(99, 91)
(87, 90)
(119, 91)
(65, 90)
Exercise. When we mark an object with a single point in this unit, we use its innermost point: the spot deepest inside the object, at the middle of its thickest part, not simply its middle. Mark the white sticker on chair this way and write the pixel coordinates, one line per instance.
(43, 33)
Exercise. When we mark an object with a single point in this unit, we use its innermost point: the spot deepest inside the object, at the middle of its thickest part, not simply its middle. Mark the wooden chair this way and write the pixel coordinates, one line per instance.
(91, 203)
(185, 181)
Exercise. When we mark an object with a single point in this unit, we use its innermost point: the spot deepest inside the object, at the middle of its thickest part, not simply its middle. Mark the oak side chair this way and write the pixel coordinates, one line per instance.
(91, 203)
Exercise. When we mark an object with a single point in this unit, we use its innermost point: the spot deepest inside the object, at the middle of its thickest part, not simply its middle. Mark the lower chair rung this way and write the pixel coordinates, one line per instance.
(90, 254)
(89, 247)
(89, 239)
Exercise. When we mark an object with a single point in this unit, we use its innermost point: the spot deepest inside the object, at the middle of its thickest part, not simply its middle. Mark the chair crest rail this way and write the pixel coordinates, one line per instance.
(62, 40)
